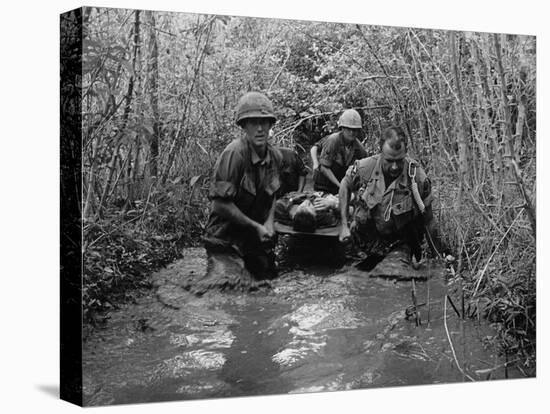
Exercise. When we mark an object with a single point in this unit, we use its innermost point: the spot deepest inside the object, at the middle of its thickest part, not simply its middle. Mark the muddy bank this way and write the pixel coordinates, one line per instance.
(306, 333)
(199, 272)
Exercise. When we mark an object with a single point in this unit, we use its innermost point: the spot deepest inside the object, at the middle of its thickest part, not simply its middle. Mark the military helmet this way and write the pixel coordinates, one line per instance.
(254, 105)
(350, 119)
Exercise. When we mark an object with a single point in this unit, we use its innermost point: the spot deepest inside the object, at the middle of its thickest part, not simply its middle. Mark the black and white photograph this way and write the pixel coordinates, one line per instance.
(243, 206)
(264, 206)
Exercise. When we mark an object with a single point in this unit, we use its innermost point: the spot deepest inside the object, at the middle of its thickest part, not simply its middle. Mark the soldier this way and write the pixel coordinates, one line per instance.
(340, 150)
(245, 181)
(394, 199)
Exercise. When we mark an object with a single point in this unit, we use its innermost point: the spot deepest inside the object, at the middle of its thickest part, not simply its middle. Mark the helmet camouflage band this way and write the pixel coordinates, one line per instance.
(254, 105)
(350, 119)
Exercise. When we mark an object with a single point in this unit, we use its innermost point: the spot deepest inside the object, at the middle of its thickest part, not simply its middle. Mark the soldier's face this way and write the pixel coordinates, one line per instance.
(393, 160)
(257, 131)
(349, 134)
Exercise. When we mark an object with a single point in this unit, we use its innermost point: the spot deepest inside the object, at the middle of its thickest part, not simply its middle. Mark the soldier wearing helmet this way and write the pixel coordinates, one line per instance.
(339, 151)
(244, 184)
(393, 201)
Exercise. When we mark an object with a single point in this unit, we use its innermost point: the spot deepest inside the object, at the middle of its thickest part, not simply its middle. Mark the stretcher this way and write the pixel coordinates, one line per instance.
(333, 231)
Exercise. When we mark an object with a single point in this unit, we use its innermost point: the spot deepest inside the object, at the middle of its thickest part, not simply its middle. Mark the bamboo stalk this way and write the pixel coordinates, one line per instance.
(453, 306)
(428, 301)
(451, 342)
(413, 294)
(531, 213)
(462, 130)
(504, 98)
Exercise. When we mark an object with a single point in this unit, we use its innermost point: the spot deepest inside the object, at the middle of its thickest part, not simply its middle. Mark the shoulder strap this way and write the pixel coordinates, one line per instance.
(370, 164)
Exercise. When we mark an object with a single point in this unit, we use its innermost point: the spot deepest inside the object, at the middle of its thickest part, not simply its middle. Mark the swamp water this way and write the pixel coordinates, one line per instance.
(315, 330)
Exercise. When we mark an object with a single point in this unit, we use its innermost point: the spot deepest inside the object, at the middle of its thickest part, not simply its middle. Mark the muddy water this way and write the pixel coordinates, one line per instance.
(311, 332)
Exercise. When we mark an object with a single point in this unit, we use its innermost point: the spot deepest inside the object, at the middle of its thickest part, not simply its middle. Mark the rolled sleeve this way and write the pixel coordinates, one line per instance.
(223, 189)
(321, 144)
(227, 175)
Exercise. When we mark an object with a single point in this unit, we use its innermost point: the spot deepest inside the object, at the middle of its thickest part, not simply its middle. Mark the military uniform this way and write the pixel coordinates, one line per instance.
(250, 182)
(337, 156)
(388, 215)
(292, 168)
(320, 144)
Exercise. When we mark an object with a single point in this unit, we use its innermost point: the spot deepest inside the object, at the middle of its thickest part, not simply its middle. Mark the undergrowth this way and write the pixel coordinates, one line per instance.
(496, 254)
(124, 247)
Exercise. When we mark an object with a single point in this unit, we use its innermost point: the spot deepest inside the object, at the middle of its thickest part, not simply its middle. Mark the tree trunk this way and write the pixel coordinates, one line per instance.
(506, 105)
(91, 180)
(461, 119)
(510, 154)
(153, 71)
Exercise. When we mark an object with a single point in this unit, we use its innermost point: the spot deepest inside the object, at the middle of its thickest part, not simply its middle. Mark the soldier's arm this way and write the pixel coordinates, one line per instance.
(301, 170)
(227, 176)
(330, 175)
(301, 183)
(314, 156)
(343, 195)
(268, 225)
(330, 149)
(228, 210)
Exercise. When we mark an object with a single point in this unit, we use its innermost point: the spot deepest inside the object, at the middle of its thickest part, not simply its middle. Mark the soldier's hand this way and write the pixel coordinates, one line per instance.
(323, 203)
(315, 166)
(344, 235)
(270, 229)
(264, 234)
(320, 204)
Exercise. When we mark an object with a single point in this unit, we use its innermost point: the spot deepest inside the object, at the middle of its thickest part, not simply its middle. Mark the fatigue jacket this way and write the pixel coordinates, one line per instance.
(320, 145)
(250, 182)
(292, 168)
(337, 156)
(390, 208)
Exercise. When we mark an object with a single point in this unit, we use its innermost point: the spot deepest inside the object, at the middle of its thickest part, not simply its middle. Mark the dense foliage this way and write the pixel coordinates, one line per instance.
(158, 97)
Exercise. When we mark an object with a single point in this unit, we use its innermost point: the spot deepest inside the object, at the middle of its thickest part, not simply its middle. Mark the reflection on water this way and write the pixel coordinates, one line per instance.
(309, 333)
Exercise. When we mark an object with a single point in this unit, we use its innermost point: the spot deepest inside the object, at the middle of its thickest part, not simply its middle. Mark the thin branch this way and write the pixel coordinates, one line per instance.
(478, 208)
(531, 213)
(492, 254)
(295, 125)
(288, 51)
